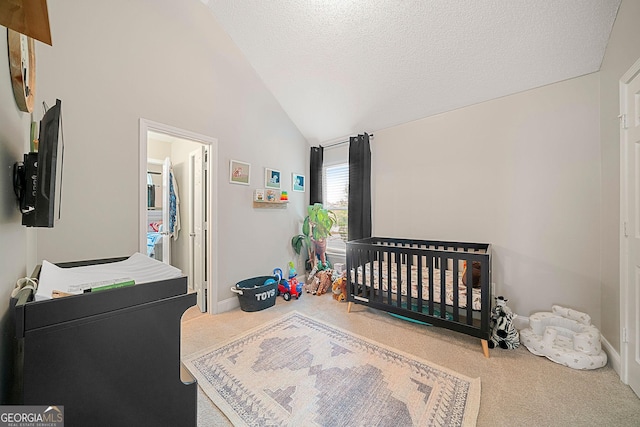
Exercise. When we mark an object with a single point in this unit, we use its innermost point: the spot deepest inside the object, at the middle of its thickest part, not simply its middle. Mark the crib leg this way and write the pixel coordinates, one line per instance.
(349, 307)
(485, 348)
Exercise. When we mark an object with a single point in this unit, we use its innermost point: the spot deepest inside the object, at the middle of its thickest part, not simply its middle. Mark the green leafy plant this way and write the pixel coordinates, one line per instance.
(315, 230)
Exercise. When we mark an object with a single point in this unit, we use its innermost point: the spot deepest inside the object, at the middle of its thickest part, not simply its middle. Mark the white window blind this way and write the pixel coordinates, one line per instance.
(335, 188)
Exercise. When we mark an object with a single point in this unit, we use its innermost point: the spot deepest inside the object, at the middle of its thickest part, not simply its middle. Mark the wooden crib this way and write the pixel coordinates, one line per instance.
(399, 276)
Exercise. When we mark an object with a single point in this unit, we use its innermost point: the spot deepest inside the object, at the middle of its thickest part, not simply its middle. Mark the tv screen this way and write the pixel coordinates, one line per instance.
(43, 173)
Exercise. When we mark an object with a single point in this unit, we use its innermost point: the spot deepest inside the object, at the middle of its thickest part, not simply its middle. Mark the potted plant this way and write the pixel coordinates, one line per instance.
(315, 230)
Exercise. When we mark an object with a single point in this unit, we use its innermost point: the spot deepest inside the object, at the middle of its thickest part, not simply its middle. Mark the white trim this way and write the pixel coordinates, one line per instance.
(624, 251)
(624, 206)
(212, 205)
(228, 304)
(520, 322)
(631, 73)
(336, 251)
(614, 356)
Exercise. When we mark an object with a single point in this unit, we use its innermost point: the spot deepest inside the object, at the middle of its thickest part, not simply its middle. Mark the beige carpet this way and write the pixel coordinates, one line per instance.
(518, 388)
(296, 370)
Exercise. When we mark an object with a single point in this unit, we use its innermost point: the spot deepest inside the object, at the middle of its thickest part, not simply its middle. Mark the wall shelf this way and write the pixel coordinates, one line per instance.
(278, 204)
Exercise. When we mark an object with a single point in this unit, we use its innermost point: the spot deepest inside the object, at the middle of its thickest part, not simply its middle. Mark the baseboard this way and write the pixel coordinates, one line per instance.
(228, 304)
(520, 322)
(613, 355)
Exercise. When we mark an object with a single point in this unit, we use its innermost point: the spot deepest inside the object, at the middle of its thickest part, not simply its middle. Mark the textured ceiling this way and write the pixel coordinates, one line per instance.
(341, 67)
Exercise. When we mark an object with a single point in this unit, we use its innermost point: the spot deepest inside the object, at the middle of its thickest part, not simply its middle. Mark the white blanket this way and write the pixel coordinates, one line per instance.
(138, 267)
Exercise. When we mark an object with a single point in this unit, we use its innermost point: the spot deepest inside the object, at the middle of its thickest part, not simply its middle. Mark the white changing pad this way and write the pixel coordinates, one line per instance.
(139, 267)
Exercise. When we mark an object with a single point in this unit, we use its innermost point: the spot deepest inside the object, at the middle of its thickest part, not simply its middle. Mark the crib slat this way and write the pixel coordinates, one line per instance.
(485, 295)
(408, 281)
(352, 268)
(389, 290)
(456, 290)
(371, 295)
(431, 267)
(419, 284)
(399, 281)
(469, 291)
(443, 287)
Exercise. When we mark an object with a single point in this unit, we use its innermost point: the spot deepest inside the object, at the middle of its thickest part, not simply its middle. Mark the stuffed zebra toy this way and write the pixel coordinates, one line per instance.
(504, 333)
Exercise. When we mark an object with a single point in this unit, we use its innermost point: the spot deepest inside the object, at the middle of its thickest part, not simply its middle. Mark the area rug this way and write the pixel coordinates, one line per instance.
(298, 371)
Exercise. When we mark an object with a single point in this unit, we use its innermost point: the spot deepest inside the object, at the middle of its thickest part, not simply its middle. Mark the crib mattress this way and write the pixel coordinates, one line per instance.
(462, 289)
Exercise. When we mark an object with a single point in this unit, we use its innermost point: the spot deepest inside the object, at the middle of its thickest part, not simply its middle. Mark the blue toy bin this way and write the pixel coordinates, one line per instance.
(254, 295)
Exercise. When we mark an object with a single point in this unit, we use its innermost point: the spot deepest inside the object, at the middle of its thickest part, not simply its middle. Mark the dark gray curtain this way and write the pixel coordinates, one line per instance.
(315, 175)
(359, 187)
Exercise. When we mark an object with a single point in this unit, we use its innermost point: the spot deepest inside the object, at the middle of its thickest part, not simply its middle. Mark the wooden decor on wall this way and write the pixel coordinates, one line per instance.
(22, 65)
(29, 17)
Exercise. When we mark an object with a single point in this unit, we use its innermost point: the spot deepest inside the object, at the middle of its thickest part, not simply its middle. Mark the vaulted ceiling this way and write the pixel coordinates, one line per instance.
(341, 67)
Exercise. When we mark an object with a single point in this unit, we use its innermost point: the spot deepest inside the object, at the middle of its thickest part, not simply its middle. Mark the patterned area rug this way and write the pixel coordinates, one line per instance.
(298, 371)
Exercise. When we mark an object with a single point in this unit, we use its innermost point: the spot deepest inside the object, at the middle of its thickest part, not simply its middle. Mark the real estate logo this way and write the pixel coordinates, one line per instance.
(31, 416)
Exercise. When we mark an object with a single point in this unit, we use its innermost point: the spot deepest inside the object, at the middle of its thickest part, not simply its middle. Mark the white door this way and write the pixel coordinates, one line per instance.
(198, 224)
(166, 214)
(630, 291)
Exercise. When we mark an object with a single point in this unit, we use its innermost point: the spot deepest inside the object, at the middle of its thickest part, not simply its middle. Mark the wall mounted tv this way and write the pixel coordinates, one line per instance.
(38, 180)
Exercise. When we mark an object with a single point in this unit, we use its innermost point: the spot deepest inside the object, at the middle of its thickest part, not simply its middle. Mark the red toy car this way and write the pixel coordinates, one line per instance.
(288, 289)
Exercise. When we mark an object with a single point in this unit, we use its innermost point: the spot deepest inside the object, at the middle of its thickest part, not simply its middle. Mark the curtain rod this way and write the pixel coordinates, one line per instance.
(335, 144)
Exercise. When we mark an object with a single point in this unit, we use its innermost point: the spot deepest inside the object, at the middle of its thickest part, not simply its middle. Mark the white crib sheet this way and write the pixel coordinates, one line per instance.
(462, 289)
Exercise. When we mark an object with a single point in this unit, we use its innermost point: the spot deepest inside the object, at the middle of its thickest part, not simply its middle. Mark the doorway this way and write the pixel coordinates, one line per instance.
(159, 230)
(177, 189)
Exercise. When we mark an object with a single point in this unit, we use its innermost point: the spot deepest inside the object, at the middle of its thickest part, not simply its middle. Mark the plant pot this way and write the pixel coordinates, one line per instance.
(320, 247)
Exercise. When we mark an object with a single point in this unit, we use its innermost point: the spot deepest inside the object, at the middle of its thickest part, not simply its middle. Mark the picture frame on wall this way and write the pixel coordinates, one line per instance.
(298, 182)
(258, 195)
(272, 178)
(239, 172)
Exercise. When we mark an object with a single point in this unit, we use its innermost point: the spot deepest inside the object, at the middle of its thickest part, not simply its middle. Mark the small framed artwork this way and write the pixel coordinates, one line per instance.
(272, 195)
(271, 178)
(239, 172)
(297, 182)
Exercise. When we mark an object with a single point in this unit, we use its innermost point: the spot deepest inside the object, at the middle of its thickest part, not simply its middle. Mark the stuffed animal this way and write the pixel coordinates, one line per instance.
(476, 272)
(501, 302)
(504, 334)
(325, 281)
(312, 282)
(340, 288)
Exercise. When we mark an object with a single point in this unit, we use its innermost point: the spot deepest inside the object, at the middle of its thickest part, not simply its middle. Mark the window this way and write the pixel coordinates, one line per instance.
(336, 198)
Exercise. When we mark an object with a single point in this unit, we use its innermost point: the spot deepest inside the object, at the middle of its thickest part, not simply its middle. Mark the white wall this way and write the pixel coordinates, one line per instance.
(115, 62)
(623, 50)
(522, 173)
(16, 242)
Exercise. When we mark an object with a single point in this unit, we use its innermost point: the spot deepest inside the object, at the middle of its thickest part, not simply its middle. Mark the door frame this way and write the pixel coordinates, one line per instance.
(205, 157)
(146, 126)
(624, 245)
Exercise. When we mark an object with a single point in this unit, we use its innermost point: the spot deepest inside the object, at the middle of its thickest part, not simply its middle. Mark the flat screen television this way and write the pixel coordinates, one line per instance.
(38, 180)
